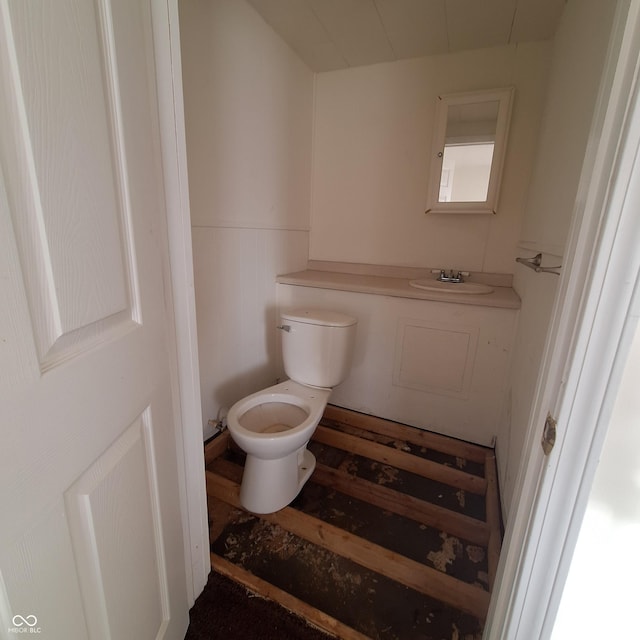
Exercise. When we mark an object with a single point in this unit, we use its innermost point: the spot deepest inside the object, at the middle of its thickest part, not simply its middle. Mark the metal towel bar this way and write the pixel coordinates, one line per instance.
(535, 263)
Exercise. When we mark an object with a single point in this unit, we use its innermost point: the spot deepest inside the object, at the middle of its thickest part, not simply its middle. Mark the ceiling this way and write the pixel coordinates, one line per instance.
(336, 34)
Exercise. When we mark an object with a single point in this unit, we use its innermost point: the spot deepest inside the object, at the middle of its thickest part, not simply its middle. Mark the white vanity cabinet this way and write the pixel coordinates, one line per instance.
(436, 365)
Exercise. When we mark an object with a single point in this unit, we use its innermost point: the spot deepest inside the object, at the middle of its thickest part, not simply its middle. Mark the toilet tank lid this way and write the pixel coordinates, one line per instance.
(319, 316)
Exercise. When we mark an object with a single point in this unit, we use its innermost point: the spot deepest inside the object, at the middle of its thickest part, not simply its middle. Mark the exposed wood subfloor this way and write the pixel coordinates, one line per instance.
(395, 536)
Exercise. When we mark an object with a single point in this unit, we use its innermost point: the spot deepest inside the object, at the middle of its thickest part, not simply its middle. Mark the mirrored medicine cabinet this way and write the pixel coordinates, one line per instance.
(469, 143)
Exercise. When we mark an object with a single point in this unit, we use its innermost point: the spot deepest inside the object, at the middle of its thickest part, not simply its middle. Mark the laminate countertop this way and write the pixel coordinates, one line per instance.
(501, 297)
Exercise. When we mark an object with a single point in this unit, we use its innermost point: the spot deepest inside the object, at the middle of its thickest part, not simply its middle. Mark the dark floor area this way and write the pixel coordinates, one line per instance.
(395, 537)
(227, 611)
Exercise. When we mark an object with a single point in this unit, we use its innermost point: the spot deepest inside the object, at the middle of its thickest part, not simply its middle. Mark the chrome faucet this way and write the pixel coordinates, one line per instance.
(451, 277)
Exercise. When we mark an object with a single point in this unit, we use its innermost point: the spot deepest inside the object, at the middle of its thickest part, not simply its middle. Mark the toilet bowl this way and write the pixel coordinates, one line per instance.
(273, 426)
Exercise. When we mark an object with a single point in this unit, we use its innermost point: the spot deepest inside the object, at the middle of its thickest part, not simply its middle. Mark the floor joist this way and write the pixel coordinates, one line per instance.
(289, 602)
(410, 573)
(216, 447)
(427, 513)
(398, 431)
(401, 460)
(431, 515)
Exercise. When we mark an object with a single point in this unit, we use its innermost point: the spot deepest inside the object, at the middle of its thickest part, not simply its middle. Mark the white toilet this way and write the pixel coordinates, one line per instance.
(273, 426)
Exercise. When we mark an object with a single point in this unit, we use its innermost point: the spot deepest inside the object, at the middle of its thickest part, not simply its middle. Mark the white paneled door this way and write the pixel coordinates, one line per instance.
(90, 526)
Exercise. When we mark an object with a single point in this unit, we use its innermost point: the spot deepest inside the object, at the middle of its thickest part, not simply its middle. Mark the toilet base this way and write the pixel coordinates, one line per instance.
(270, 485)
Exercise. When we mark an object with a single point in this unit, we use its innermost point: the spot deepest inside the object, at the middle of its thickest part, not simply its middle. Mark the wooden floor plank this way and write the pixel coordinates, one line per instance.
(493, 518)
(421, 511)
(265, 589)
(401, 460)
(431, 515)
(413, 435)
(412, 574)
(216, 447)
(227, 469)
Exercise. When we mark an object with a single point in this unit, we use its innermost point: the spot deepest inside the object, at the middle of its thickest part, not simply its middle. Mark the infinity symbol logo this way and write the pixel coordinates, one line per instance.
(30, 621)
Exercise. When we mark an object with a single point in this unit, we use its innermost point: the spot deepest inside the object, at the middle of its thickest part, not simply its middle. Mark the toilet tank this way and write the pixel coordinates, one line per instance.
(317, 346)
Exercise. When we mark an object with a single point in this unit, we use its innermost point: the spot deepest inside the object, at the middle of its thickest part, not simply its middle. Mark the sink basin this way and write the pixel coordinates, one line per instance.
(451, 287)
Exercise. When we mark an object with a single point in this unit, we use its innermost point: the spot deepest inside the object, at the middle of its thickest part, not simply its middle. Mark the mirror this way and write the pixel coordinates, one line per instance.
(468, 151)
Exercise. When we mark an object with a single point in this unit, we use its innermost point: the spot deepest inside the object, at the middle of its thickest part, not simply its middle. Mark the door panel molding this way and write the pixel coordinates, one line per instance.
(68, 191)
(116, 499)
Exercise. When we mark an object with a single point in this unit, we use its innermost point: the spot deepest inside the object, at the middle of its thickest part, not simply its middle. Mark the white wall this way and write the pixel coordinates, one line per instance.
(603, 575)
(248, 112)
(580, 48)
(372, 136)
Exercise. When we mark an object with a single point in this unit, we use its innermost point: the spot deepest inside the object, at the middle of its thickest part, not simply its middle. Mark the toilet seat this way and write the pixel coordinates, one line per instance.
(293, 405)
